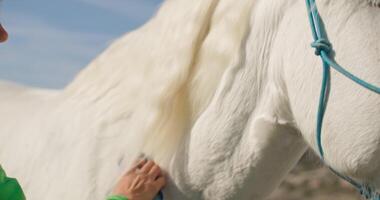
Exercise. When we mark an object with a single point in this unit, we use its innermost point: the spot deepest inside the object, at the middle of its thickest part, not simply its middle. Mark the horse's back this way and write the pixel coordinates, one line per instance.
(14, 96)
(20, 103)
(15, 92)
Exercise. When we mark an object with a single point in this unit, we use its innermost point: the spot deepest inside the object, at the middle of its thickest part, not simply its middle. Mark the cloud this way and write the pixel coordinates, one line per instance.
(43, 55)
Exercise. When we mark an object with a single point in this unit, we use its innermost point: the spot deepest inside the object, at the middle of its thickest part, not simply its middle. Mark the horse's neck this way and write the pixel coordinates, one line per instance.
(162, 49)
(353, 29)
(161, 74)
(287, 22)
(143, 74)
(218, 133)
(150, 66)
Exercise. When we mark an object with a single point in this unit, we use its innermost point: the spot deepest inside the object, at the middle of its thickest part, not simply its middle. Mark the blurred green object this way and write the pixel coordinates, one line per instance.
(117, 197)
(10, 189)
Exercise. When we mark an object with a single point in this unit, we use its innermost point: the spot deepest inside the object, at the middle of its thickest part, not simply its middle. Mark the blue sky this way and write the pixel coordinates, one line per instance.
(51, 40)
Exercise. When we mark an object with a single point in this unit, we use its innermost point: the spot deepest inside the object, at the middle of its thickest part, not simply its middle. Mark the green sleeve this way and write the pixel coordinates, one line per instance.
(117, 197)
(10, 189)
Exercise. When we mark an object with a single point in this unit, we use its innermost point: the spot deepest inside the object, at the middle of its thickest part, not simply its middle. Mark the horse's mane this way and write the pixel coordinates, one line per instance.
(167, 70)
(164, 74)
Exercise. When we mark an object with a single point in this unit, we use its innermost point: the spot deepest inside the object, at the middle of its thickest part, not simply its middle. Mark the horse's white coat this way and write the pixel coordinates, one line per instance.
(153, 91)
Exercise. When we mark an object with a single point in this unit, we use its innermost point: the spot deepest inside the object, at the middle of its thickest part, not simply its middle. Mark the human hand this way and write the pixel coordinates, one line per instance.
(142, 182)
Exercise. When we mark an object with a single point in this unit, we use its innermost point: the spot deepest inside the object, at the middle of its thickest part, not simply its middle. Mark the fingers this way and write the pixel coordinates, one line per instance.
(154, 172)
(159, 183)
(138, 164)
(136, 182)
(141, 181)
(147, 167)
(141, 163)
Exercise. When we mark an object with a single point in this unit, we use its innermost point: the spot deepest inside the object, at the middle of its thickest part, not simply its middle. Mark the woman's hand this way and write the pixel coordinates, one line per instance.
(142, 182)
(3, 34)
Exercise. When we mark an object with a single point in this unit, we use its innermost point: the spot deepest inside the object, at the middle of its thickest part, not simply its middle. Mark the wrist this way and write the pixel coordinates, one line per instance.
(117, 197)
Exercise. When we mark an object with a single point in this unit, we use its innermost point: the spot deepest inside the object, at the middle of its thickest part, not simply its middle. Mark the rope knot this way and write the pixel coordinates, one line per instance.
(322, 45)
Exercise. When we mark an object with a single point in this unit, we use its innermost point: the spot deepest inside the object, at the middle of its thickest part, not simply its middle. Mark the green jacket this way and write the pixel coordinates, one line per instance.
(10, 189)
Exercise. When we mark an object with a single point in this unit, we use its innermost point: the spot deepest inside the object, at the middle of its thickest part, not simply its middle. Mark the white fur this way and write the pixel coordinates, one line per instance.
(160, 91)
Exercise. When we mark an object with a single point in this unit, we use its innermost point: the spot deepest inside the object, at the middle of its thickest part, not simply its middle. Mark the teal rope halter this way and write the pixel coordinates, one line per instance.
(323, 48)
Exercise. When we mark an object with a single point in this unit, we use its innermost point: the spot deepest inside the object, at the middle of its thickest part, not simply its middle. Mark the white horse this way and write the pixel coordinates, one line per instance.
(222, 93)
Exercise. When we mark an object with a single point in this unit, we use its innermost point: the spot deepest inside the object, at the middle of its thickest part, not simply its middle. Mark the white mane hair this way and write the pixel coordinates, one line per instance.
(221, 93)
(177, 61)
(141, 95)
